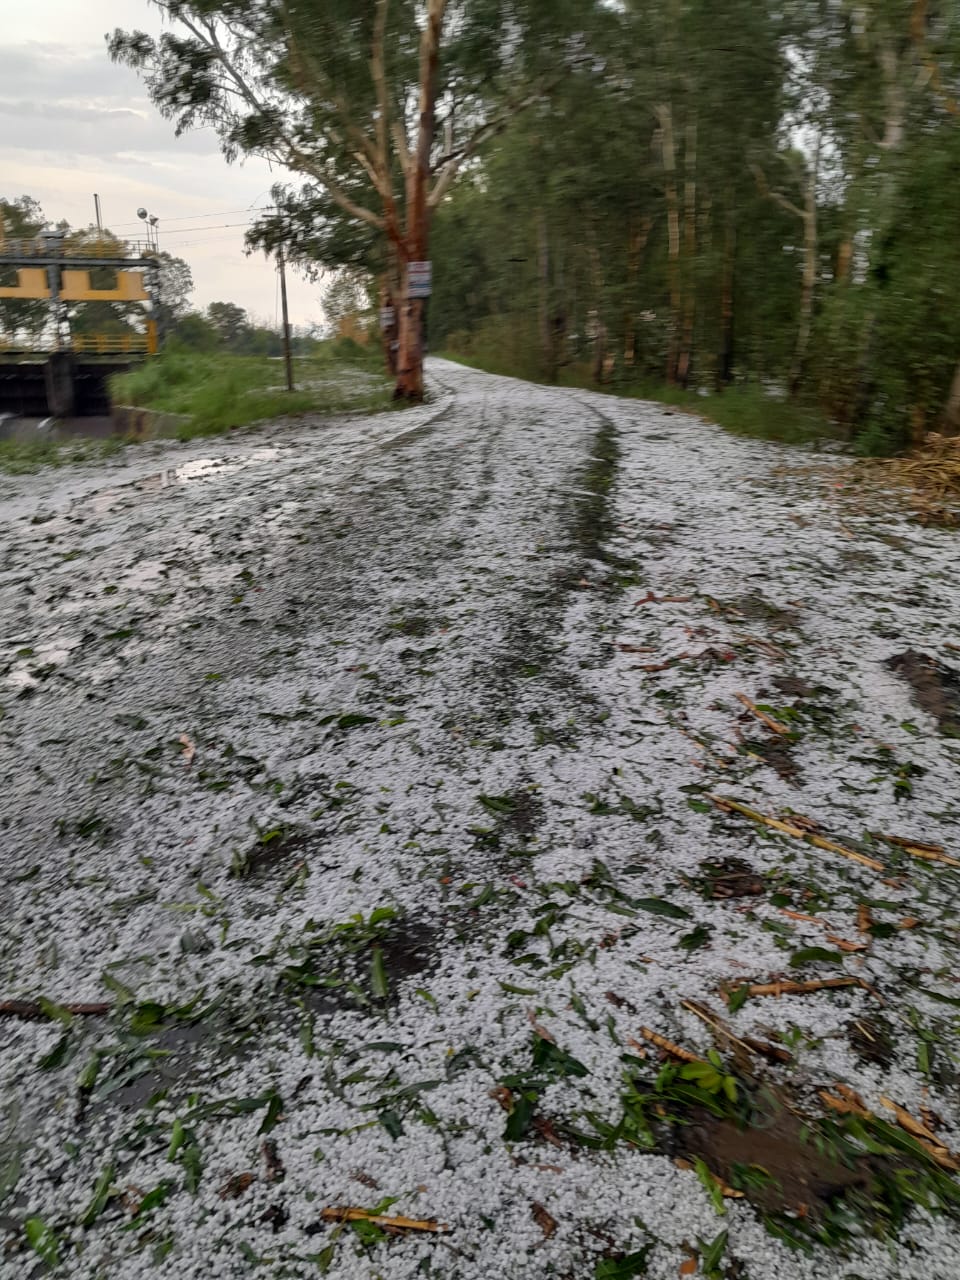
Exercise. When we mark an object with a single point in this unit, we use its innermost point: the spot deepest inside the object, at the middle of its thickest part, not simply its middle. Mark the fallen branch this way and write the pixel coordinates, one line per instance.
(787, 987)
(850, 1103)
(772, 649)
(720, 1028)
(920, 849)
(396, 1224)
(774, 725)
(650, 598)
(31, 1009)
(797, 832)
(832, 847)
(668, 1047)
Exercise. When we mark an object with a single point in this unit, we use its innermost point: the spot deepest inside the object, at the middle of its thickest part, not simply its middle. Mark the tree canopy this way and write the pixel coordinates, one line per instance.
(375, 105)
(757, 192)
(769, 200)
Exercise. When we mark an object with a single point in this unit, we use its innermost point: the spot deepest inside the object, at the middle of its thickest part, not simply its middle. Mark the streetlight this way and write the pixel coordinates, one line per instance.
(152, 221)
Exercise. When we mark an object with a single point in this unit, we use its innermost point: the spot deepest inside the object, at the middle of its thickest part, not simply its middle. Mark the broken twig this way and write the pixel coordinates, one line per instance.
(774, 725)
(797, 832)
(717, 1025)
(339, 1214)
(787, 987)
(920, 849)
(30, 1009)
(668, 1047)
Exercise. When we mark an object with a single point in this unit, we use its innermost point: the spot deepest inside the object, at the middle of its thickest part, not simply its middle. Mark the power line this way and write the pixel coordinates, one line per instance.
(217, 226)
(187, 244)
(194, 217)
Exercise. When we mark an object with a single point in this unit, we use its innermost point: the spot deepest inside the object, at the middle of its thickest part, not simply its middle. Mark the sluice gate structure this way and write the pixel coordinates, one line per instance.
(48, 370)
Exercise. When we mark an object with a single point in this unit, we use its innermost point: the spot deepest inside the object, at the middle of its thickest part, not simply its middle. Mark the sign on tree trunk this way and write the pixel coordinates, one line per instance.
(419, 279)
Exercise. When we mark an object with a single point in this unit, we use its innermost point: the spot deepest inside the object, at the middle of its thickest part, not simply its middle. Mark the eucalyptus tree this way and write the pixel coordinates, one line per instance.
(374, 105)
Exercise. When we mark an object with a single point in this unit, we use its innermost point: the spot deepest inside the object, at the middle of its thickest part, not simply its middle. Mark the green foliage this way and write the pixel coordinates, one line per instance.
(711, 1255)
(43, 1241)
(21, 457)
(557, 265)
(711, 1076)
(218, 392)
(20, 319)
(631, 1264)
(897, 1173)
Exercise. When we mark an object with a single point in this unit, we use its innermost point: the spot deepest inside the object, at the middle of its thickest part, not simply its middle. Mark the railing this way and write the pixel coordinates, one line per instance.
(91, 344)
(110, 344)
(55, 248)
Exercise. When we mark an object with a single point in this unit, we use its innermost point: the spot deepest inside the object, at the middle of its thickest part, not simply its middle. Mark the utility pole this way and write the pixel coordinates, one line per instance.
(288, 355)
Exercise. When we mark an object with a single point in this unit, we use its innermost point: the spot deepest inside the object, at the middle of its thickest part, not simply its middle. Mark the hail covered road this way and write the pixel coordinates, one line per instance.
(365, 770)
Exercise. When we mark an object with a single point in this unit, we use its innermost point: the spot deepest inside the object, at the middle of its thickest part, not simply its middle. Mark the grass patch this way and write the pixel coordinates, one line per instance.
(218, 392)
(504, 365)
(742, 411)
(748, 411)
(20, 457)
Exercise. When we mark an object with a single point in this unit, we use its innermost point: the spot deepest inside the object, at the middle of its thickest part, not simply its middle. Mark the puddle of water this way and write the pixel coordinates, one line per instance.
(105, 500)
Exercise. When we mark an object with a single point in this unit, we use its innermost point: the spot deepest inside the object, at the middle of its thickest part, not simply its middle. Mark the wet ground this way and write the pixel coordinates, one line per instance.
(387, 777)
(100, 427)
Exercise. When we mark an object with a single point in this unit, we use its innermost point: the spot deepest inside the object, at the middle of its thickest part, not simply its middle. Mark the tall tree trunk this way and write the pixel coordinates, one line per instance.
(547, 343)
(895, 97)
(417, 243)
(811, 252)
(726, 354)
(685, 354)
(668, 153)
(600, 336)
(844, 260)
(637, 244)
(951, 415)
(410, 346)
(389, 299)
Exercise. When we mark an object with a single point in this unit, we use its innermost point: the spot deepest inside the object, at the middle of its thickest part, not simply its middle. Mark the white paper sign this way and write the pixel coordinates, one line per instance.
(419, 279)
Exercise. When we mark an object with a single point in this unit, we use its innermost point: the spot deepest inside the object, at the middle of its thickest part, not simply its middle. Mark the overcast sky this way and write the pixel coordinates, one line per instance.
(72, 123)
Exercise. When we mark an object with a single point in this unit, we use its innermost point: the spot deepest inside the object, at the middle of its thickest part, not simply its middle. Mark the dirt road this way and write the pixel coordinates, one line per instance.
(376, 775)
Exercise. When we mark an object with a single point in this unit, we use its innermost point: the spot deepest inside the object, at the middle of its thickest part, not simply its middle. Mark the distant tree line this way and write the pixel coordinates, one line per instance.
(745, 192)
